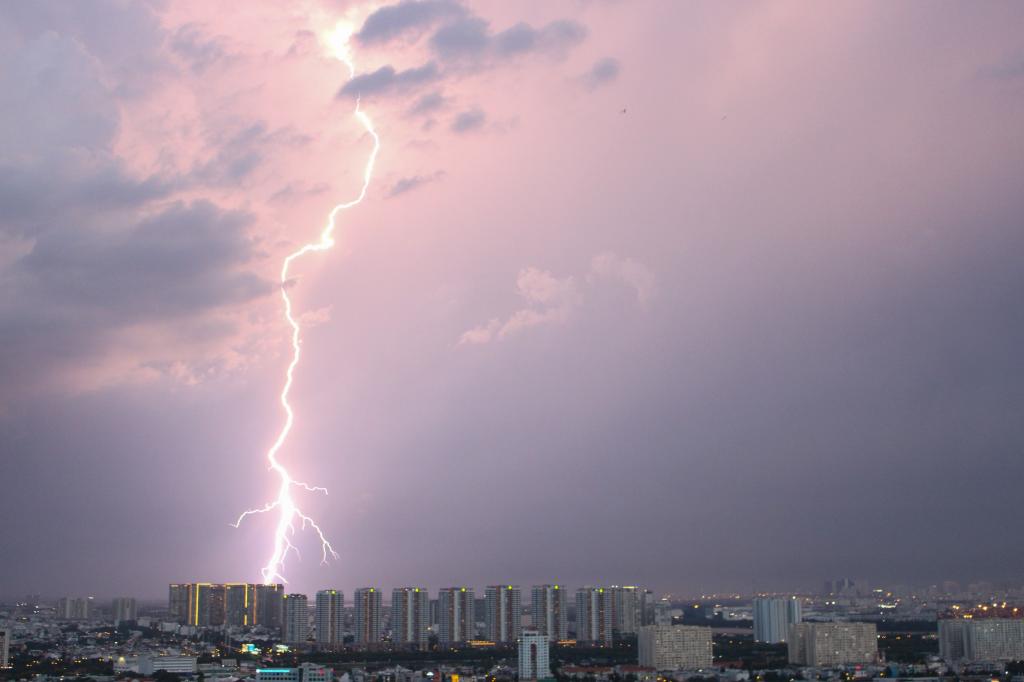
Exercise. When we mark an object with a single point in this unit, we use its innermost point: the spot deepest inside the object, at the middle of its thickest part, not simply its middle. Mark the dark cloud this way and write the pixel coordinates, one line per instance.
(386, 80)
(603, 71)
(469, 120)
(469, 39)
(410, 183)
(428, 103)
(394, 20)
(201, 51)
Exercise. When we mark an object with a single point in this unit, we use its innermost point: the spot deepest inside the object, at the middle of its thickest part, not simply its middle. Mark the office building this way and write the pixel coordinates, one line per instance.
(367, 615)
(991, 639)
(594, 615)
(827, 645)
(534, 648)
(549, 611)
(675, 647)
(123, 610)
(296, 618)
(410, 616)
(5, 649)
(773, 618)
(330, 617)
(455, 617)
(503, 613)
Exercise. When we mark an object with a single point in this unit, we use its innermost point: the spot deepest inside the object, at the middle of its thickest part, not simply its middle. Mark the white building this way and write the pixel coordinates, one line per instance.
(504, 613)
(675, 647)
(330, 617)
(123, 610)
(74, 608)
(410, 616)
(367, 608)
(629, 607)
(296, 618)
(951, 639)
(993, 639)
(773, 618)
(533, 656)
(827, 645)
(549, 611)
(455, 609)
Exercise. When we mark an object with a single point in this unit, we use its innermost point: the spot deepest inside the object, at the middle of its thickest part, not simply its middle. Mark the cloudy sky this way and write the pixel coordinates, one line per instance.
(699, 296)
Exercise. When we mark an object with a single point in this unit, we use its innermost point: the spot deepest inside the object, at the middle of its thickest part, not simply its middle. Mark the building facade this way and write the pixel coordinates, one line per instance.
(74, 608)
(549, 611)
(123, 610)
(675, 647)
(773, 618)
(296, 618)
(367, 615)
(410, 616)
(503, 613)
(827, 645)
(330, 617)
(629, 609)
(456, 622)
(5, 648)
(993, 639)
(594, 615)
(534, 648)
(234, 604)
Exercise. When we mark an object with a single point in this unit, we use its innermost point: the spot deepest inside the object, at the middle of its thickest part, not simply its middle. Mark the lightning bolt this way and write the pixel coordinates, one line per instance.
(288, 513)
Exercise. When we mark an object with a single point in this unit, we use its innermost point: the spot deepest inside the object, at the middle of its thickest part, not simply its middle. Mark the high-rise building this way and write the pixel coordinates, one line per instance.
(268, 605)
(5, 648)
(662, 612)
(123, 610)
(675, 647)
(217, 604)
(629, 608)
(549, 611)
(990, 639)
(826, 645)
(296, 618)
(367, 608)
(455, 616)
(74, 608)
(594, 619)
(773, 617)
(330, 617)
(951, 639)
(410, 616)
(534, 648)
(504, 613)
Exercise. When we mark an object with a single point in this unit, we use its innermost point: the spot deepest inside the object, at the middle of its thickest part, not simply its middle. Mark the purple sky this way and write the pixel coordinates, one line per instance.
(761, 330)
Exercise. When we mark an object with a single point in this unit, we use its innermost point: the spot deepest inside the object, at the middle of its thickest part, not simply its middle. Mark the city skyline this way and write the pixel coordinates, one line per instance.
(703, 297)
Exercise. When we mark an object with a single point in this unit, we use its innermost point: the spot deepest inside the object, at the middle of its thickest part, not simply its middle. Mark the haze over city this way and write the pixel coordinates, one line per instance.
(702, 297)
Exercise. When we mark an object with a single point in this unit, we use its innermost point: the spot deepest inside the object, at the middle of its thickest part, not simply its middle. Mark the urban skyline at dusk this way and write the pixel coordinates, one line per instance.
(699, 297)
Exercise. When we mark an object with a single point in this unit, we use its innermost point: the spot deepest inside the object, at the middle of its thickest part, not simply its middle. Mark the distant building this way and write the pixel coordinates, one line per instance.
(330, 617)
(5, 648)
(533, 656)
(951, 639)
(773, 618)
(367, 609)
(235, 604)
(74, 608)
(145, 664)
(629, 607)
(594, 609)
(296, 618)
(307, 672)
(504, 613)
(123, 610)
(826, 645)
(662, 612)
(991, 639)
(675, 647)
(410, 616)
(455, 617)
(549, 611)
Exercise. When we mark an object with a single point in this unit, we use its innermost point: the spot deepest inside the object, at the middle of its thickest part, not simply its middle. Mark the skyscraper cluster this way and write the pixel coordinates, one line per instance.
(233, 604)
